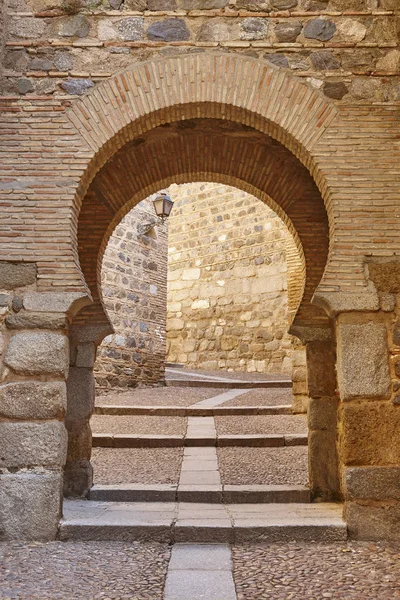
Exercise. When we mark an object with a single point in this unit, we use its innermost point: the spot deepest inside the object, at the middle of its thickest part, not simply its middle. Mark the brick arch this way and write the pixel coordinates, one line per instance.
(205, 150)
(214, 85)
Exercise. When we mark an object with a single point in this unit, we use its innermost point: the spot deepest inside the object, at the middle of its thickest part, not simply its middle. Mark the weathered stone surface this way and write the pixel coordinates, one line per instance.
(254, 5)
(63, 61)
(321, 377)
(41, 64)
(85, 355)
(322, 414)
(75, 26)
(78, 478)
(323, 465)
(370, 433)
(38, 353)
(80, 391)
(31, 320)
(162, 4)
(362, 368)
(131, 29)
(372, 483)
(279, 60)
(16, 275)
(33, 400)
(202, 4)
(77, 86)
(254, 28)
(351, 30)
(115, 4)
(288, 31)
(25, 86)
(32, 444)
(52, 302)
(320, 29)
(324, 60)
(335, 89)
(390, 62)
(30, 505)
(213, 32)
(169, 30)
(16, 60)
(138, 5)
(27, 28)
(106, 30)
(79, 443)
(17, 304)
(373, 522)
(283, 4)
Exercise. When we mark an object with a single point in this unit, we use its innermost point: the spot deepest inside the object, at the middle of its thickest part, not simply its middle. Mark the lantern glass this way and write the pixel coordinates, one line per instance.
(163, 206)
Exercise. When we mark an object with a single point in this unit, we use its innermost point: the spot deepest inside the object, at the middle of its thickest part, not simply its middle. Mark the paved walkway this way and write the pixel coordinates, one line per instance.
(268, 567)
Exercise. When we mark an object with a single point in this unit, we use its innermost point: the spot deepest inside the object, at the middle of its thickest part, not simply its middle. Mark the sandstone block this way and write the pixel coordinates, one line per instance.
(81, 394)
(373, 483)
(30, 505)
(370, 433)
(373, 521)
(169, 30)
(38, 353)
(322, 414)
(362, 365)
(323, 465)
(32, 444)
(16, 275)
(352, 30)
(33, 400)
(213, 32)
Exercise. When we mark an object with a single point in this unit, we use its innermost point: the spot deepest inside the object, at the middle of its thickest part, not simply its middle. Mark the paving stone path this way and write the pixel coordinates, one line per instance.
(186, 523)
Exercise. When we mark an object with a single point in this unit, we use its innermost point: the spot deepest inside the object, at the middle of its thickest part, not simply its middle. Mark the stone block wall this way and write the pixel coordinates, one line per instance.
(134, 289)
(227, 281)
(345, 48)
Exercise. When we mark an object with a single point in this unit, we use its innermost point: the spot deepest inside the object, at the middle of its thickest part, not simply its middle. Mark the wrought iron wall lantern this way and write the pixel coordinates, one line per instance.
(162, 206)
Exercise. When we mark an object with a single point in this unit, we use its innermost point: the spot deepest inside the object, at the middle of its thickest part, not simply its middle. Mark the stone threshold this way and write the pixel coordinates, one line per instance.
(227, 494)
(191, 411)
(121, 440)
(173, 522)
(229, 384)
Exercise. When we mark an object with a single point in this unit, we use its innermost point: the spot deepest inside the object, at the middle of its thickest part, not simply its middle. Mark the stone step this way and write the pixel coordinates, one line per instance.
(230, 494)
(228, 384)
(173, 522)
(123, 440)
(191, 411)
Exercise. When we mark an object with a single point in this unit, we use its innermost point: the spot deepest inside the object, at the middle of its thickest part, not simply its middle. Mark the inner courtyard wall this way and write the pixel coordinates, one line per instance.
(227, 282)
(228, 303)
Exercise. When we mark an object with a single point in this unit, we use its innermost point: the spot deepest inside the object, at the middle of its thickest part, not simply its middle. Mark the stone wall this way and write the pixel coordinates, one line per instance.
(134, 289)
(346, 48)
(227, 288)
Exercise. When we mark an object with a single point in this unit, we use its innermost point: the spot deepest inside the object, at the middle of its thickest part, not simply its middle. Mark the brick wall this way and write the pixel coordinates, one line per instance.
(134, 290)
(227, 288)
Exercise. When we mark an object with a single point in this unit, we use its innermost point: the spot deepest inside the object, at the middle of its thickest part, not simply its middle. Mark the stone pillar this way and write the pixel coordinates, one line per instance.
(33, 372)
(299, 378)
(319, 396)
(370, 422)
(84, 340)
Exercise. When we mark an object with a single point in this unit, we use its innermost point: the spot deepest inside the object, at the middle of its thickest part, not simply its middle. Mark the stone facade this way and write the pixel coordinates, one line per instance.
(345, 48)
(170, 109)
(227, 282)
(134, 290)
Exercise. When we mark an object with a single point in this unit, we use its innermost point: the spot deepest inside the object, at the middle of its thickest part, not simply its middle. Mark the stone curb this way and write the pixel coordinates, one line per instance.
(191, 411)
(109, 440)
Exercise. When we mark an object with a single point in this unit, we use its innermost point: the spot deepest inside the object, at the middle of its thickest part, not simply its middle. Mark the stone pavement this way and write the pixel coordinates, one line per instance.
(199, 538)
